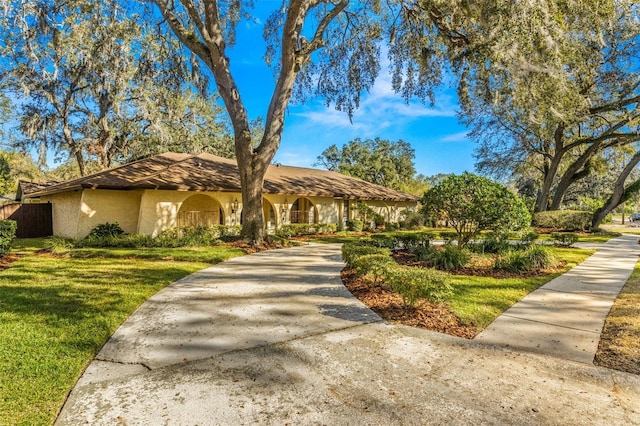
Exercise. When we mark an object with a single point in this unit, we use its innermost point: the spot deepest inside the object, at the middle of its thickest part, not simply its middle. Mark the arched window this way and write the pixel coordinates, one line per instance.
(303, 211)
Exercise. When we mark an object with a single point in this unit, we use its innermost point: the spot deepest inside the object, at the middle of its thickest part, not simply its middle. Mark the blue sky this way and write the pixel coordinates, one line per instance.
(440, 142)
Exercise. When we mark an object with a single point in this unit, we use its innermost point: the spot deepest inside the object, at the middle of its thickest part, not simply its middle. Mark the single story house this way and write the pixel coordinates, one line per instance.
(175, 190)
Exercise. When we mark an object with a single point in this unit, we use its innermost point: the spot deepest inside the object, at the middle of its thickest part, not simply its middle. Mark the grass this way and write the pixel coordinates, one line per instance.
(479, 300)
(57, 312)
(620, 340)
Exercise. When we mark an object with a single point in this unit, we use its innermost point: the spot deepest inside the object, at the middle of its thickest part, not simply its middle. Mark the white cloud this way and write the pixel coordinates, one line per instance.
(379, 109)
(456, 137)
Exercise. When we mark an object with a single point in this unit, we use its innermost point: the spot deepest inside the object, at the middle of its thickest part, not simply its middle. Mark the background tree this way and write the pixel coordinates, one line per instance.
(472, 203)
(99, 87)
(560, 114)
(376, 160)
(6, 182)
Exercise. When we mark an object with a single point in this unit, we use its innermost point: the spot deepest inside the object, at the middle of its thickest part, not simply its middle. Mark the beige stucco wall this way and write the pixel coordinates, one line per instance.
(151, 211)
(65, 209)
(99, 206)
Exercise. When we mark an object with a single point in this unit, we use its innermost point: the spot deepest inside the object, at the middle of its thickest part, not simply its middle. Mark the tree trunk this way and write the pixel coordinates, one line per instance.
(620, 193)
(573, 173)
(544, 194)
(550, 171)
(209, 44)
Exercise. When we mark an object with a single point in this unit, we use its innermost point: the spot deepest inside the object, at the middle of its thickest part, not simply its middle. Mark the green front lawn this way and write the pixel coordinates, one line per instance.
(479, 300)
(57, 312)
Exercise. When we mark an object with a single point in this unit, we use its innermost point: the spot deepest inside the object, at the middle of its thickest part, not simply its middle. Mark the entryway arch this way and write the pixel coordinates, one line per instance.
(200, 210)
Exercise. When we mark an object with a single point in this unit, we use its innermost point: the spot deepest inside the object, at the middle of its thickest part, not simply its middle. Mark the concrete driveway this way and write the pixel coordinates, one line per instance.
(274, 338)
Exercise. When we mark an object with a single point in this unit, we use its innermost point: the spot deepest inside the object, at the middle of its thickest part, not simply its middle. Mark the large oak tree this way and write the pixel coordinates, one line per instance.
(98, 86)
(330, 48)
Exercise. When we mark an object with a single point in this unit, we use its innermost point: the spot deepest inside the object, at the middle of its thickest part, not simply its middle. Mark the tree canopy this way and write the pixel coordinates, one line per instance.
(472, 203)
(378, 161)
(99, 85)
(556, 123)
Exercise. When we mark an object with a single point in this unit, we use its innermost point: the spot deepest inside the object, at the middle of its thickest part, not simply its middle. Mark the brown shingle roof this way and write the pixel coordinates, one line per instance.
(206, 172)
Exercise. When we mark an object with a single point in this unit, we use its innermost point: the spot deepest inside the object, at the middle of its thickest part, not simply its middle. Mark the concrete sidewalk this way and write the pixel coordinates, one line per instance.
(565, 317)
(274, 338)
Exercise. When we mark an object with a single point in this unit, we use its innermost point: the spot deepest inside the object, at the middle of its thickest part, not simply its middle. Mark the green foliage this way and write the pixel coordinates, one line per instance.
(368, 216)
(563, 220)
(605, 233)
(7, 234)
(355, 225)
(57, 245)
(109, 235)
(384, 240)
(411, 241)
(352, 251)
(373, 265)
(495, 242)
(564, 239)
(300, 229)
(414, 283)
(7, 183)
(449, 257)
(534, 258)
(472, 204)
(137, 96)
(378, 161)
(106, 230)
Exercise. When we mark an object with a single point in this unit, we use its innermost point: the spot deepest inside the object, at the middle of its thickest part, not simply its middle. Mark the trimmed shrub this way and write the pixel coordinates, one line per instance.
(355, 225)
(600, 231)
(494, 243)
(300, 229)
(564, 239)
(449, 258)
(106, 230)
(384, 240)
(414, 283)
(563, 220)
(169, 238)
(532, 259)
(373, 265)
(352, 251)
(470, 204)
(389, 226)
(411, 241)
(7, 235)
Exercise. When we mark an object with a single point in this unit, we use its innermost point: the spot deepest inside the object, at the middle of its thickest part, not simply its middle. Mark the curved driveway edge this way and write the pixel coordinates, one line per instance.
(245, 302)
(252, 341)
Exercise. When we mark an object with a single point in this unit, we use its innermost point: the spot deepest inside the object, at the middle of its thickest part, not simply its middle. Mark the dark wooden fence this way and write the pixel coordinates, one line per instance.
(34, 220)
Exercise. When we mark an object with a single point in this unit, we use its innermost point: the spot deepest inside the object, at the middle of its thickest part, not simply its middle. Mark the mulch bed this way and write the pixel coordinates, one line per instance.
(7, 260)
(390, 307)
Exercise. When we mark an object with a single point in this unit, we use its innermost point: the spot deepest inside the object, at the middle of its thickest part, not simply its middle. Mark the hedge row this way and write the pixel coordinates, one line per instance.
(411, 282)
(111, 235)
(564, 220)
(7, 234)
(298, 229)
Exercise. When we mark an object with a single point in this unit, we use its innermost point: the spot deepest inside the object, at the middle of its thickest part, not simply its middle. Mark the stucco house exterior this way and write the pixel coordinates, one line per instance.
(175, 190)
